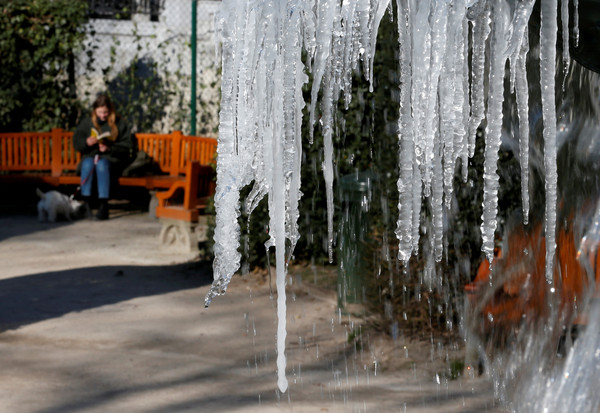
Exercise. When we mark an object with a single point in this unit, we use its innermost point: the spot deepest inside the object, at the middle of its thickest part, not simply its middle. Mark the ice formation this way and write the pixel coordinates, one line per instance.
(453, 58)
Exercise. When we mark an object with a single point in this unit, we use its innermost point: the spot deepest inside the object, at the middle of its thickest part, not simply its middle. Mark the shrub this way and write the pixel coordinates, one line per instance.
(38, 43)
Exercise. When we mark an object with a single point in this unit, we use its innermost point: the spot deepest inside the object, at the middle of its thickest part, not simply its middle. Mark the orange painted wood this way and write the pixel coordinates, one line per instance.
(175, 161)
(197, 187)
(56, 153)
(186, 211)
(522, 295)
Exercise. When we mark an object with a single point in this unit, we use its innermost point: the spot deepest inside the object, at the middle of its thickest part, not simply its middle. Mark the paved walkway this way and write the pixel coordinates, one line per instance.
(94, 317)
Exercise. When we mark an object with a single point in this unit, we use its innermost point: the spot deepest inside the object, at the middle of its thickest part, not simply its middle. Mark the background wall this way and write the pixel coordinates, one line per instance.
(142, 56)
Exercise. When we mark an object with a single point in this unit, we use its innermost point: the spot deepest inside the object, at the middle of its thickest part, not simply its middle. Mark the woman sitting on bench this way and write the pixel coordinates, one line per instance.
(104, 141)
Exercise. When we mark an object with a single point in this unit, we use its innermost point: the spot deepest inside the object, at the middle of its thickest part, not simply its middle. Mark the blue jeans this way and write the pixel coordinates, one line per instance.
(102, 172)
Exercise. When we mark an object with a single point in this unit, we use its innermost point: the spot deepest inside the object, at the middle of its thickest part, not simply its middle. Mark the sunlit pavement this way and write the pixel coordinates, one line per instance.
(96, 318)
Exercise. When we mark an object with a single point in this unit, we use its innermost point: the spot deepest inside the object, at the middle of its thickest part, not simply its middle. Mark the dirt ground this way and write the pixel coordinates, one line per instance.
(97, 317)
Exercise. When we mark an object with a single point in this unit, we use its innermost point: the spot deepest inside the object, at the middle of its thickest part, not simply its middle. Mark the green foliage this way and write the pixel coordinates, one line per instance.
(455, 369)
(140, 93)
(38, 42)
(365, 140)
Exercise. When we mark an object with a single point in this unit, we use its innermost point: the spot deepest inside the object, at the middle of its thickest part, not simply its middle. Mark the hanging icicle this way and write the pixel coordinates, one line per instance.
(445, 98)
(548, 36)
(480, 19)
(407, 182)
(519, 48)
(493, 131)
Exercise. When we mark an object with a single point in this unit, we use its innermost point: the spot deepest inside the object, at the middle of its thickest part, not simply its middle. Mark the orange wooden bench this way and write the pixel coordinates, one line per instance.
(185, 161)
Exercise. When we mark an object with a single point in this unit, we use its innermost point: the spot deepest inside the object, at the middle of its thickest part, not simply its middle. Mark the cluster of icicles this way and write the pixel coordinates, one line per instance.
(442, 106)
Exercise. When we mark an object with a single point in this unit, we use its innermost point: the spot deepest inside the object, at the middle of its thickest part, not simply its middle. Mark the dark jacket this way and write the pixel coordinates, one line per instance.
(120, 151)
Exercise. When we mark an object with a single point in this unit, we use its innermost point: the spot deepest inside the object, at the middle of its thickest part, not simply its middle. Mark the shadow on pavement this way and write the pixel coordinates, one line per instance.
(37, 297)
(18, 212)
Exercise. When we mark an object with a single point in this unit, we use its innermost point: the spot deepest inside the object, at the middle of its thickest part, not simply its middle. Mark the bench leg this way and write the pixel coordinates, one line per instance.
(179, 235)
(152, 204)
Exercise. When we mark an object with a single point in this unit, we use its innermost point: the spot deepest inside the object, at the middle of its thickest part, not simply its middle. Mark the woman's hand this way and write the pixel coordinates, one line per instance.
(102, 147)
(91, 141)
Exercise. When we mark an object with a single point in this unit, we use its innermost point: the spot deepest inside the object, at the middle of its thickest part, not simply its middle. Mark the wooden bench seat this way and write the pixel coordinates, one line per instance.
(149, 182)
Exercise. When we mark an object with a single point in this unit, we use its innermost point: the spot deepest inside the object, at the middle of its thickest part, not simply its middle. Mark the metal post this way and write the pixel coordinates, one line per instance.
(193, 91)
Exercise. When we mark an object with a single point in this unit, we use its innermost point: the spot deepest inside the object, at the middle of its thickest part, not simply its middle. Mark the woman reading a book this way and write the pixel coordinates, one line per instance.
(104, 141)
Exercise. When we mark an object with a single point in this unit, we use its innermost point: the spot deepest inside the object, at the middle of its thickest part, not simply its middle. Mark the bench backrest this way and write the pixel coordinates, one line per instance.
(38, 151)
(173, 152)
(54, 152)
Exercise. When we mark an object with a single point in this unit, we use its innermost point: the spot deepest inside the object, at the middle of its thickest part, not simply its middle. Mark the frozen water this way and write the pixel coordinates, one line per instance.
(548, 36)
(442, 105)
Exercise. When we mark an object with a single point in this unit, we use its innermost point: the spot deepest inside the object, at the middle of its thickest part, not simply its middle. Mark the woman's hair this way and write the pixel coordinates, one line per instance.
(104, 101)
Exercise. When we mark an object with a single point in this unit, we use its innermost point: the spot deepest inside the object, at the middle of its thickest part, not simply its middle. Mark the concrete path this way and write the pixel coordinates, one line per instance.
(95, 317)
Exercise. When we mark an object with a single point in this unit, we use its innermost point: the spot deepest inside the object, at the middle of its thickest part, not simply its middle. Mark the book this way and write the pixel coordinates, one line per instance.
(102, 137)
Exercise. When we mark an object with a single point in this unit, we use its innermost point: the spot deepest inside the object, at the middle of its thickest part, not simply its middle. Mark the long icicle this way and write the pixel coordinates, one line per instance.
(406, 147)
(493, 131)
(548, 36)
(522, 97)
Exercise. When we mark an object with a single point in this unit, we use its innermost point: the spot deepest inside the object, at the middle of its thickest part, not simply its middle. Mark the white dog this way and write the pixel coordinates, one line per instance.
(54, 205)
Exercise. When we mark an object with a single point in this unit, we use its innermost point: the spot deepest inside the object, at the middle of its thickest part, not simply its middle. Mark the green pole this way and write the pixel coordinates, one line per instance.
(193, 91)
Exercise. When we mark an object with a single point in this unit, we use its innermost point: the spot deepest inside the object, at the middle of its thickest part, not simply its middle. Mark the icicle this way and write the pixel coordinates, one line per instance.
(261, 111)
(522, 97)
(277, 209)
(380, 8)
(433, 171)
(324, 27)
(481, 31)
(436, 203)
(564, 16)
(361, 34)
(233, 26)
(327, 125)
(439, 21)
(452, 96)
(548, 36)
(519, 25)
(406, 180)
(421, 59)
(327, 63)
(518, 50)
(576, 23)
(463, 147)
(293, 104)
(287, 151)
(493, 131)
(307, 10)
(350, 53)
(260, 136)
(417, 194)
(336, 62)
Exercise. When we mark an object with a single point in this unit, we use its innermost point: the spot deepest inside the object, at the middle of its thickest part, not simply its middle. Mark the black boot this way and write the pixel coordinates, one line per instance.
(102, 213)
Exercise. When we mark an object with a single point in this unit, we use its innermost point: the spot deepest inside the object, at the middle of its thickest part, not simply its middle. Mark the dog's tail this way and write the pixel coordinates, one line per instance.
(40, 193)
